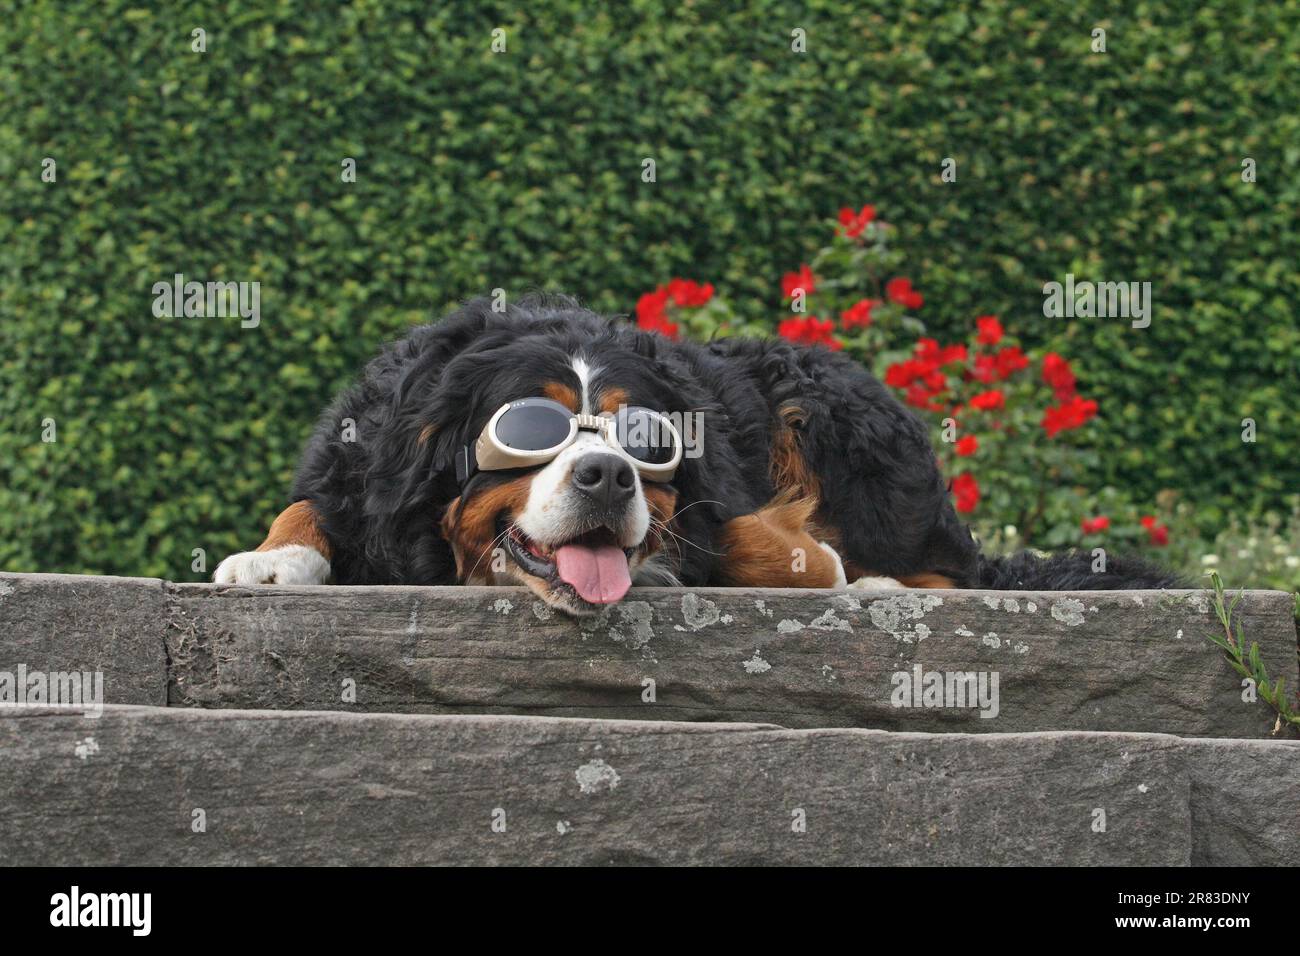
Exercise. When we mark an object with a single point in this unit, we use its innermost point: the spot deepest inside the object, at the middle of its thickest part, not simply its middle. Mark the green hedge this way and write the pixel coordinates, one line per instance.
(522, 170)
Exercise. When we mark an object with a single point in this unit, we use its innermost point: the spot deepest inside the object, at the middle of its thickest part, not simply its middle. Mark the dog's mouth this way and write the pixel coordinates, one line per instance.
(581, 573)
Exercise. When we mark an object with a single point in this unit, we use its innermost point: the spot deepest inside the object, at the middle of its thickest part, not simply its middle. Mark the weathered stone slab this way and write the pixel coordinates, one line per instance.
(331, 788)
(1101, 660)
(1245, 802)
(69, 622)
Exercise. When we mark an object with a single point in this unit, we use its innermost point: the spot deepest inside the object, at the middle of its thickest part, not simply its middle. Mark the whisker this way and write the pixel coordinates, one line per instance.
(489, 549)
(678, 537)
(702, 501)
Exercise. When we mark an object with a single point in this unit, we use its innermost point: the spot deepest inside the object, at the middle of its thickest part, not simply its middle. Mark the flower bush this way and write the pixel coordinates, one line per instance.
(1010, 427)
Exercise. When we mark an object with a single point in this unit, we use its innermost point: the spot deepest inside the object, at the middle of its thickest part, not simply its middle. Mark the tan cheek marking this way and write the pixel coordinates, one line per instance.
(470, 524)
(662, 503)
(559, 392)
(297, 524)
(612, 399)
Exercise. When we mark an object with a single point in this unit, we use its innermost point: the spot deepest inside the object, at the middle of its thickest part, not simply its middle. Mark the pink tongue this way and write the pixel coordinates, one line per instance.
(598, 574)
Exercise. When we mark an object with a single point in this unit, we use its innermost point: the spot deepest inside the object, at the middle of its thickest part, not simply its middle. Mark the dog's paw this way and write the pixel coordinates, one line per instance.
(840, 580)
(875, 584)
(291, 564)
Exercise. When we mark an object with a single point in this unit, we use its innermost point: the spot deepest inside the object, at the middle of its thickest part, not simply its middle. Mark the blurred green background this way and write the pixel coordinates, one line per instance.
(522, 169)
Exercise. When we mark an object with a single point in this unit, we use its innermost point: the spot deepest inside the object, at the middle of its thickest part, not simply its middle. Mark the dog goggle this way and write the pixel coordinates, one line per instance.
(533, 431)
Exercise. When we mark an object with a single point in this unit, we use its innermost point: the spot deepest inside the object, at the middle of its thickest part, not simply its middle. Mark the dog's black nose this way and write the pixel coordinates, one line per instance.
(605, 479)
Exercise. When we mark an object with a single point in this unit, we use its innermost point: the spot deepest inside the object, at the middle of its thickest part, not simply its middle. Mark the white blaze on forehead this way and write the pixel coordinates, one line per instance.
(585, 374)
(554, 510)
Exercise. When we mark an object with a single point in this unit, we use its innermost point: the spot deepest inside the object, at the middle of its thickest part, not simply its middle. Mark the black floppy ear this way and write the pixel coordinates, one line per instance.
(411, 462)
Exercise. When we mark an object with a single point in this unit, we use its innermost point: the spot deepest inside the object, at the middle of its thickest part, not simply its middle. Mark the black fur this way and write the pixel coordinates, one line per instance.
(1073, 571)
(380, 498)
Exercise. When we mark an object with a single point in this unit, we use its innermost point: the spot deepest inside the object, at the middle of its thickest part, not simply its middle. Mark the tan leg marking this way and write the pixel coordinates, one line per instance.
(761, 548)
(297, 524)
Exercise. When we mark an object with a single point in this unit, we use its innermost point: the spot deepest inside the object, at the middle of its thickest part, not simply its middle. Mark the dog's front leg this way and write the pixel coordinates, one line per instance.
(774, 548)
(295, 551)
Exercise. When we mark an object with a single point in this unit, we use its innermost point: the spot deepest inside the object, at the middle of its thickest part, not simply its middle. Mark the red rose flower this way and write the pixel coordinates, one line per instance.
(900, 290)
(810, 331)
(967, 492)
(688, 293)
(921, 397)
(855, 222)
(650, 314)
(803, 279)
(989, 401)
(967, 445)
(1095, 525)
(858, 315)
(990, 329)
(1158, 534)
(1071, 413)
(1057, 373)
(903, 374)
(1009, 360)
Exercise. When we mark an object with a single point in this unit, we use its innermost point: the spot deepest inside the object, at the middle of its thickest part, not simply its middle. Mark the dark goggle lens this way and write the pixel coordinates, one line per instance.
(645, 436)
(533, 427)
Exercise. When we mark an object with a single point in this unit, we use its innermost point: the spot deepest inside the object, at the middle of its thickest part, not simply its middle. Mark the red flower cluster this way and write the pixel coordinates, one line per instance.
(996, 366)
(1071, 413)
(810, 331)
(966, 490)
(929, 350)
(803, 279)
(989, 401)
(858, 315)
(855, 222)
(689, 293)
(1058, 374)
(990, 330)
(931, 380)
(651, 313)
(1157, 533)
(900, 290)
(923, 376)
(652, 308)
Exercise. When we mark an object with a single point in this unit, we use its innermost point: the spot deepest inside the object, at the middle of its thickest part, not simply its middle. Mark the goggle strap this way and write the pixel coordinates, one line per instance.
(466, 463)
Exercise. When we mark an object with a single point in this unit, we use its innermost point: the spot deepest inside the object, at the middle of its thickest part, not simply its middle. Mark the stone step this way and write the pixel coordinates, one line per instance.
(1128, 661)
(147, 785)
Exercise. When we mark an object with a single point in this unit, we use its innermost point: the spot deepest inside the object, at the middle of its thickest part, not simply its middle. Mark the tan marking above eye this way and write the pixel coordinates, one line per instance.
(612, 399)
(564, 394)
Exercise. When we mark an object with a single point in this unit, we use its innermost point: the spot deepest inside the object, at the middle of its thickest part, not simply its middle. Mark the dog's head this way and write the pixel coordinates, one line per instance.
(580, 527)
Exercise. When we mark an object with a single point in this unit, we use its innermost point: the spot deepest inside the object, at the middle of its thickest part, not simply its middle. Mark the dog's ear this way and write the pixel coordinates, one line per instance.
(419, 428)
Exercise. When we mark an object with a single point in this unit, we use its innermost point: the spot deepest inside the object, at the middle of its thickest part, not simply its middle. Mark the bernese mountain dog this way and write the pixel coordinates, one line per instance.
(547, 446)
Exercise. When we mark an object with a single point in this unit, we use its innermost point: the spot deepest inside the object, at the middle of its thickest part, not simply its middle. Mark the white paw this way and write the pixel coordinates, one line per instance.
(291, 564)
(840, 579)
(875, 584)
